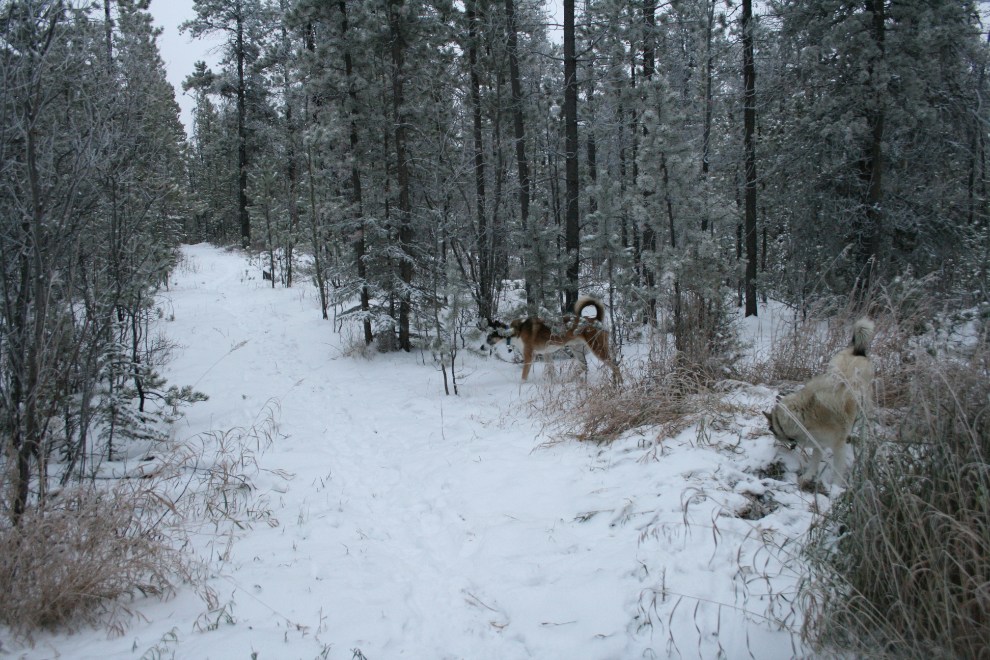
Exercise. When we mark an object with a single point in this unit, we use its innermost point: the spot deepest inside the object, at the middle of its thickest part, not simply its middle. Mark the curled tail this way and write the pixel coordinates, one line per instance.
(862, 336)
(584, 301)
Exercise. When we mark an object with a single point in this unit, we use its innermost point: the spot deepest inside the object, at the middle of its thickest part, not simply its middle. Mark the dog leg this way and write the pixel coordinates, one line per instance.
(579, 351)
(811, 472)
(527, 362)
(840, 463)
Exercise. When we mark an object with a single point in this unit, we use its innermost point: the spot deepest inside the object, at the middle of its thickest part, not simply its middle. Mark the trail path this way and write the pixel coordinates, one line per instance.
(414, 524)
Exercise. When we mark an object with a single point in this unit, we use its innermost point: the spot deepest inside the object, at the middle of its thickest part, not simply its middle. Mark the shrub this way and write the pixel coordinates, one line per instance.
(77, 555)
(664, 391)
(71, 559)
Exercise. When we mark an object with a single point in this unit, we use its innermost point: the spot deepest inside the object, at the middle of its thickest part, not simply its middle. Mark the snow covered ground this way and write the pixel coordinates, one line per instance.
(407, 523)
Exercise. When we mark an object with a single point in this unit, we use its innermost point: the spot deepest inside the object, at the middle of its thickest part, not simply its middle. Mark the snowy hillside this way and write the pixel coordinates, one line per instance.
(407, 523)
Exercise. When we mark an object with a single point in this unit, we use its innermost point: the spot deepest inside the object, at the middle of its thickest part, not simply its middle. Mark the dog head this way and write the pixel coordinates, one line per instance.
(497, 332)
(777, 430)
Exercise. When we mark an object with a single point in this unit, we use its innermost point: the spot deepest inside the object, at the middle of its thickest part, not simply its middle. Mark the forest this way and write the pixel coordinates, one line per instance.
(426, 165)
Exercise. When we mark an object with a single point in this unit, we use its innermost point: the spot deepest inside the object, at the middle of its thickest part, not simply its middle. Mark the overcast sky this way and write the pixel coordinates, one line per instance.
(180, 51)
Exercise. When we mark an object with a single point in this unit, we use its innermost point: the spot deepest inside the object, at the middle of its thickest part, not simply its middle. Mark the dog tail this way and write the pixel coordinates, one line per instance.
(585, 301)
(862, 336)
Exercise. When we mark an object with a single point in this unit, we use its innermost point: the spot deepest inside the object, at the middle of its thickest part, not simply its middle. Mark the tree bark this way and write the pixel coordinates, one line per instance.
(360, 247)
(484, 243)
(518, 125)
(872, 167)
(242, 134)
(707, 132)
(572, 238)
(401, 171)
(749, 147)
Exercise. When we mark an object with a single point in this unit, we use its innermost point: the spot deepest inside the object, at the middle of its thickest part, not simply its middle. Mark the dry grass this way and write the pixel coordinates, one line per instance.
(77, 557)
(353, 345)
(899, 565)
(664, 392)
(907, 324)
(73, 559)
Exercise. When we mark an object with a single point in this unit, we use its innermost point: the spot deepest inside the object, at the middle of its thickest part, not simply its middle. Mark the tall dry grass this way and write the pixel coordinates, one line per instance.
(664, 392)
(908, 322)
(82, 554)
(72, 559)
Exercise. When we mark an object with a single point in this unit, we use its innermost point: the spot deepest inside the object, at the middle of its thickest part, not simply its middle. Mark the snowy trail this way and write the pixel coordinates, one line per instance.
(425, 526)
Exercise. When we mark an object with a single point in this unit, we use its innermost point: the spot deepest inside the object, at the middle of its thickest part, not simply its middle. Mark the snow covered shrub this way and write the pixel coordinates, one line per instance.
(386, 340)
(900, 564)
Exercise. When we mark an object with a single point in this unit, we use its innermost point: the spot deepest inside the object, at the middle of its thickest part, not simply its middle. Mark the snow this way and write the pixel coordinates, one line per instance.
(407, 523)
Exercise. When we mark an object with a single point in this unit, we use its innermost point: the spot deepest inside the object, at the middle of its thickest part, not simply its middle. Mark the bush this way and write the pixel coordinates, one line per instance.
(665, 391)
(72, 558)
(76, 556)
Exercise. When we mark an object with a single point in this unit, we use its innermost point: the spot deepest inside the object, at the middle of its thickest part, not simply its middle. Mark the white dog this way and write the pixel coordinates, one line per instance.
(821, 415)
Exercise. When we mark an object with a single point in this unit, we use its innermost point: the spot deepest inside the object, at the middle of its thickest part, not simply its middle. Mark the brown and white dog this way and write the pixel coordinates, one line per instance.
(537, 337)
(821, 415)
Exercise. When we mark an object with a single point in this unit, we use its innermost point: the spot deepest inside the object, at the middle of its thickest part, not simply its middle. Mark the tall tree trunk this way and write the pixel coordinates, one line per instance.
(649, 235)
(622, 172)
(108, 29)
(592, 149)
(749, 146)
(522, 164)
(401, 171)
(872, 166)
(242, 134)
(707, 132)
(485, 244)
(572, 238)
(360, 245)
(290, 173)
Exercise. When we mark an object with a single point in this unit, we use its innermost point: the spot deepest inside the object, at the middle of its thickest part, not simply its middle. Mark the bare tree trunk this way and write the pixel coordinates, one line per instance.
(572, 238)
(484, 241)
(872, 167)
(749, 142)
(649, 235)
(242, 211)
(316, 237)
(522, 164)
(401, 171)
(592, 150)
(356, 196)
(707, 133)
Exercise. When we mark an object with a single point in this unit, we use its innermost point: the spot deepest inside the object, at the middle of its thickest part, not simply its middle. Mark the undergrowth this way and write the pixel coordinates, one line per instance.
(83, 554)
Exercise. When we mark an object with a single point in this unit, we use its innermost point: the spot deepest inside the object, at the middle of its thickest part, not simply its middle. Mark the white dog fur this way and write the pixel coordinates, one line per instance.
(821, 415)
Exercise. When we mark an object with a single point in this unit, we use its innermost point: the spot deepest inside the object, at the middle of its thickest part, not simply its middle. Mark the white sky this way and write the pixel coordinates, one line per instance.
(179, 51)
